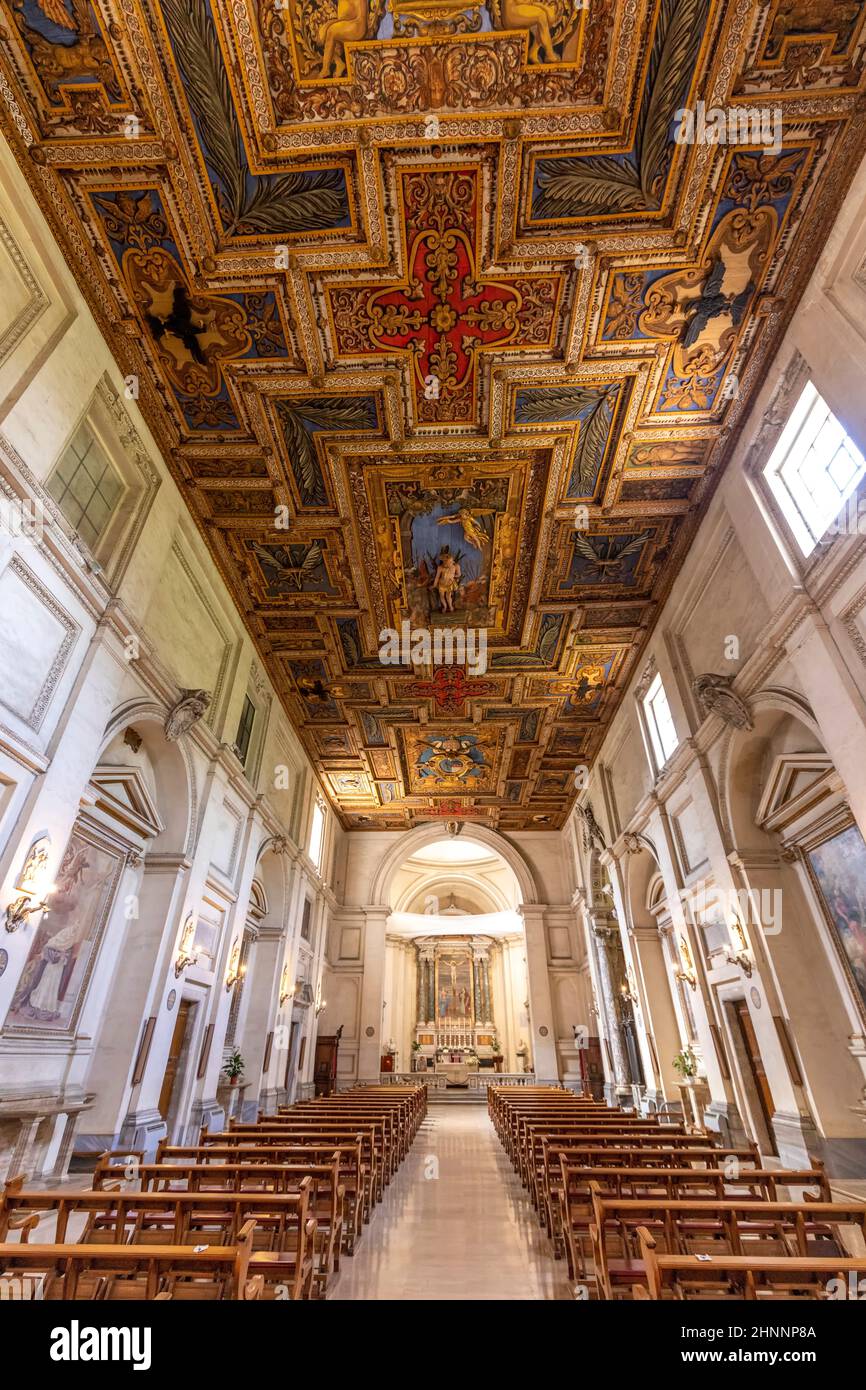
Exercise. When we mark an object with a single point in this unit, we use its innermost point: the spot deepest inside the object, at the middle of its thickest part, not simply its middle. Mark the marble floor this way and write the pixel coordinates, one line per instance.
(455, 1224)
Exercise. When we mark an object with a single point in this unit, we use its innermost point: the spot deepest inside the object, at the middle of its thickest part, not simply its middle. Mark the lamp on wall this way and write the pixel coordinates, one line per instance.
(235, 971)
(18, 912)
(742, 958)
(30, 886)
(628, 988)
(687, 974)
(286, 989)
(186, 952)
(320, 1002)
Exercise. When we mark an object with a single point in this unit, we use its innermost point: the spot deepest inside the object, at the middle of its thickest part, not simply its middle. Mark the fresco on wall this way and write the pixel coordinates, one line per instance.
(839, 869)
(58, 964)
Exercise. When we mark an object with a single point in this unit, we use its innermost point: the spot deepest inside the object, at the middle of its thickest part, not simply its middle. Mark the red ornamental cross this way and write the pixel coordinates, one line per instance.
(444, 312)
(449, 688)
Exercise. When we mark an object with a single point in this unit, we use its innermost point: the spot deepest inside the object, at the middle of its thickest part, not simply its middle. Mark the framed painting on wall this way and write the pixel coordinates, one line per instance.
(61, 958)
(838, 871)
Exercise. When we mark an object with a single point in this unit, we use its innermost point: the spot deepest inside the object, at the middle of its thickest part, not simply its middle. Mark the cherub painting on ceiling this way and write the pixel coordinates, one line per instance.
(446, 549)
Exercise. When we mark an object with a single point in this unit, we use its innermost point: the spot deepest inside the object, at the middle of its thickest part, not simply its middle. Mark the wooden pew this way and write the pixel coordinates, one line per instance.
(335, 1137)
(372, 1147)
(734, 1227)
(530, 1157)
(640, 1153)
(278, 1224)
(353, 1172)
(390, 1137)
(326, 1194)
(746, 1277)
(117, 1273)
(578, 1184)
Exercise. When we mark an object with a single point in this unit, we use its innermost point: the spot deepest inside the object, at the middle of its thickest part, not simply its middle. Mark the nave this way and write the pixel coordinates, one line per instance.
(455, 1224)
(374, 1195)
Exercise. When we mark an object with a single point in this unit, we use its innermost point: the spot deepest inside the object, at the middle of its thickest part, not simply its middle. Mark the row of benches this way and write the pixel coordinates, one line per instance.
(262, 1210)
(641, 1209)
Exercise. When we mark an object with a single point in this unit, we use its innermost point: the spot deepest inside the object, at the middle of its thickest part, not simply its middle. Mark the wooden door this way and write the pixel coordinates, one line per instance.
(175, 1053)
(325, 1064)
(756, 1067)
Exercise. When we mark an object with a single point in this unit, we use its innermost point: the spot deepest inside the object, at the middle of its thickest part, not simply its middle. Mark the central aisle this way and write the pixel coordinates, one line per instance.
(455, 1223)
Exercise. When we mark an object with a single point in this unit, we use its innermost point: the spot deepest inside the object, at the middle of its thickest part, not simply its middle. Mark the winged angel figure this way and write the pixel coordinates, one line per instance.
(552, 25)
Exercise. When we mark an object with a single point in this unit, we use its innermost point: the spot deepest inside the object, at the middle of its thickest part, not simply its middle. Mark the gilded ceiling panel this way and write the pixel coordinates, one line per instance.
(445, 316)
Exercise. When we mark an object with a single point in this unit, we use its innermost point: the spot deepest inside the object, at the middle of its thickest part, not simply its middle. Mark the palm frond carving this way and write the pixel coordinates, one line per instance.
(589, 452)
(309, 200)
(590, 185)
(548, 405)
(301, 419)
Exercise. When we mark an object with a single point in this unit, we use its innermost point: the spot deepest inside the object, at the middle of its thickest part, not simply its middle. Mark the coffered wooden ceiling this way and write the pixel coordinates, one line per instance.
(323, 211)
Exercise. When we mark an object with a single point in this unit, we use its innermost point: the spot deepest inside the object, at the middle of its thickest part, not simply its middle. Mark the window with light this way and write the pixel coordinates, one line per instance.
(659, 721)
(814, 469)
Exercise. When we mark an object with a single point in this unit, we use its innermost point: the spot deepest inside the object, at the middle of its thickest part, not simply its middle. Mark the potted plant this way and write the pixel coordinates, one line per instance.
(234, 1067)
(686, 1064)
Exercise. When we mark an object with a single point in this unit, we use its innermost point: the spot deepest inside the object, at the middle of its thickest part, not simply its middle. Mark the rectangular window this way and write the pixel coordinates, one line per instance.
(660, 724)
(813, 469)
(245, 729)
(85, 487)
(317, 833)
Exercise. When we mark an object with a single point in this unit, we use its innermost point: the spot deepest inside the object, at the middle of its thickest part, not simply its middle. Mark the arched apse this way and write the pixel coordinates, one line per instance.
(428, 834)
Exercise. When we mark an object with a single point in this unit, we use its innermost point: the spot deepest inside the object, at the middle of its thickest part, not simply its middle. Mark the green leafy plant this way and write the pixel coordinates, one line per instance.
(686, 1063)
(234, 1067)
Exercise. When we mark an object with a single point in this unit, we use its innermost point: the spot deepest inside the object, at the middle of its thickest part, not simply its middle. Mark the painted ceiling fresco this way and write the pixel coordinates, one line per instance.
(440, 273)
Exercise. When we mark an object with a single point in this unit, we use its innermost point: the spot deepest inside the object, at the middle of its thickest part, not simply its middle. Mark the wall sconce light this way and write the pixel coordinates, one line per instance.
(320, 1002)
(186, 952)
(742, 958)
(286, 990)
(628, 988)
(18, 912)
(235, 971)
(687, 974)
(743, 961)
(29, 886)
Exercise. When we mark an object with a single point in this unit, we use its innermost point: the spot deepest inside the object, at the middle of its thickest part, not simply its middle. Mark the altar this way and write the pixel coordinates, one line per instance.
(456, 1069)
(454, 1032)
